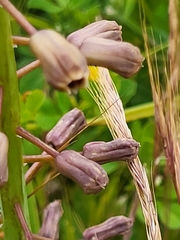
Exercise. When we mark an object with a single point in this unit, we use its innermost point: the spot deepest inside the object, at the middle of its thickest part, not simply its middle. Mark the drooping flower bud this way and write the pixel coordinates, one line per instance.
(89, 175)
(64, 66)
(114, 226)
(120, 57)
(4, 143)
(51, 217)
(101, 29)
(71, 123)
(118, 149)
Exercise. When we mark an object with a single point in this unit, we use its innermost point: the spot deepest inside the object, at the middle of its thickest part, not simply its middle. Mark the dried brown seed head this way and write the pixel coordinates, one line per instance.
(88, 174)
(114, 226)
(71, 123)
(64, 66)
(101, 29)
(3, 159)
(118, 149)
(120, 57)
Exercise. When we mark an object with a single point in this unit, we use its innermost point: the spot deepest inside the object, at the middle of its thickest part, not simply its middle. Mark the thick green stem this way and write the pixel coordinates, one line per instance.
(14, 191)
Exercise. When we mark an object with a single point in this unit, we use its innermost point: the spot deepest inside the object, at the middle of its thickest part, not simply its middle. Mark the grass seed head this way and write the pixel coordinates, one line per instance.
(107, 98)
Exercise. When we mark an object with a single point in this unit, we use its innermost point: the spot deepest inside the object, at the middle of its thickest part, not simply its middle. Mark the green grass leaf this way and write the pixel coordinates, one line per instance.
(35, 100)
(46, 5)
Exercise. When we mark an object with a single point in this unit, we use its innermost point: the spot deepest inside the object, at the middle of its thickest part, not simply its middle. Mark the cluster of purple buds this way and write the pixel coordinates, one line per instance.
(65, 61)
(65, 65)
(84, 167)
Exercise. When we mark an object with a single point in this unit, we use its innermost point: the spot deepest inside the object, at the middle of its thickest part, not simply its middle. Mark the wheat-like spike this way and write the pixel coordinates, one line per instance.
(172, 90)
(166, 99)
(174, 46)
(166, 116)
(104, 92)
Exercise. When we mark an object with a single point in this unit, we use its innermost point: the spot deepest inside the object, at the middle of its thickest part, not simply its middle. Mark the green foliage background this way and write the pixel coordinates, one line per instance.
(41, 108)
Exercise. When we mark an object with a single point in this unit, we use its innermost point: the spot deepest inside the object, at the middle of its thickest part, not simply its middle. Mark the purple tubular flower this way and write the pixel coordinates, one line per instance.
(89, 175)
(115, 150)
(114, 226)
(50, 223)
(120, 57)
(70, 124)
(101, 44)
(101, 29)
(63, 64)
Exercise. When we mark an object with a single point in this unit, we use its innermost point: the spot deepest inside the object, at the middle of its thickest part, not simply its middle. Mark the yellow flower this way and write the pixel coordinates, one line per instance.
(93, 73)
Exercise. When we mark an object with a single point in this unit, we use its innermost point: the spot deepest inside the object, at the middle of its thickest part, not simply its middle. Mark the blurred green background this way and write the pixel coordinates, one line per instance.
(42, 107)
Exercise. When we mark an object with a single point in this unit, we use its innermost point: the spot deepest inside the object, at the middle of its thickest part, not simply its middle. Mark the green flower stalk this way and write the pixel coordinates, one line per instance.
(14, 190)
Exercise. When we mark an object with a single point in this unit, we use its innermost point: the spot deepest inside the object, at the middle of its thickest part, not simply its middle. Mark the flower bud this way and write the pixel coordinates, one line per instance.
(64, 66)
(114, 226)
(101, 29)
(120, 57)
(118, 149)
(89, 175)
(51, 217)
(71, 123)
(3, 159)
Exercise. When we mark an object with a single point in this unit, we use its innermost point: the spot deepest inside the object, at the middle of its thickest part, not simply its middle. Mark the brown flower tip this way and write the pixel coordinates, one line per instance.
(70, 124)
(120, 57)
(101, 29)
(64, 66)
(116, 150)
(114, 226)
(89, 175)
(4, 143)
